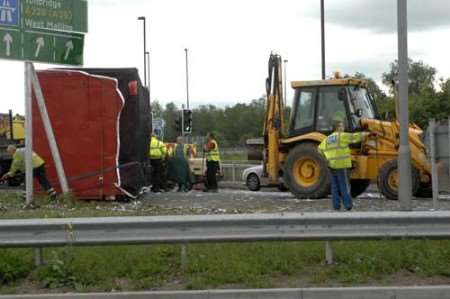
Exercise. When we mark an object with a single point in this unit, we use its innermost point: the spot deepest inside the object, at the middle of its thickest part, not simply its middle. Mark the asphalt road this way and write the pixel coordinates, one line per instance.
(271, 200)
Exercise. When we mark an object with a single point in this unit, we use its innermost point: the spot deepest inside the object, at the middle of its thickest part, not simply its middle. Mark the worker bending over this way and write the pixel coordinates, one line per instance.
(212, 163)
(18, 164)
(179, 170)
(157, 154)
(336, 150)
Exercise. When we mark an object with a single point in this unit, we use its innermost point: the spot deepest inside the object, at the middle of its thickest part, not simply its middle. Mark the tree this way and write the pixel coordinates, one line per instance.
(157, 110)
(421, 77)
(170, 114)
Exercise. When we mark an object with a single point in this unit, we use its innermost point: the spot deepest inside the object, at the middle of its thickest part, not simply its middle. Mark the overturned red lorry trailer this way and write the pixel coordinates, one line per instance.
(102, 124)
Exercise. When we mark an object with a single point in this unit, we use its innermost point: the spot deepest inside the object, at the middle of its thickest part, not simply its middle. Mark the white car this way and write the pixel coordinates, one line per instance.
(253, 179)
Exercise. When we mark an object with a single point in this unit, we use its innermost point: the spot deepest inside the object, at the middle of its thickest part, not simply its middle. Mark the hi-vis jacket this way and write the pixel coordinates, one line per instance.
(336, 149)
(157, 149)
(213, 154)
(18, 162)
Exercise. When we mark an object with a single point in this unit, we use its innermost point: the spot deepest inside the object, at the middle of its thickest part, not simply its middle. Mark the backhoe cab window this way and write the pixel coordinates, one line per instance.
(304, 116)
(360, 101)
(331, 108)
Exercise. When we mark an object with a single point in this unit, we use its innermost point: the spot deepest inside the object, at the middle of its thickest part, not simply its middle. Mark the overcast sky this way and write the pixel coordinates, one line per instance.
(230, 41)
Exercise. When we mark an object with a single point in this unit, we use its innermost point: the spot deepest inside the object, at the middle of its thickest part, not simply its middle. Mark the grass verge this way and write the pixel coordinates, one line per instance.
(214, 266)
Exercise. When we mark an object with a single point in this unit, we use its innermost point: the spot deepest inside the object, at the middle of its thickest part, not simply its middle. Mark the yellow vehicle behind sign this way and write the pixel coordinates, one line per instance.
(291, 155)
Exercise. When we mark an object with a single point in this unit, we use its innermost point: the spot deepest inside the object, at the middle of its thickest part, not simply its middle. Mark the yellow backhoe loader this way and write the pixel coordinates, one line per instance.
(290, 151)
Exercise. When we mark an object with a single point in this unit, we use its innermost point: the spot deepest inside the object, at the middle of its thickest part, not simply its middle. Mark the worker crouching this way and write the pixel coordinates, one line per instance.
(18, 165)
(336, 150)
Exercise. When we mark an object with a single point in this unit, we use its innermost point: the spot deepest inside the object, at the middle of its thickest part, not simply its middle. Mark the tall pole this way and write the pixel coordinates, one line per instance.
(187, 78)
(148, 69)
(328, 246)
(29, 135)
(285, 85)
(322, 26)
(404, 154)
(145, 49)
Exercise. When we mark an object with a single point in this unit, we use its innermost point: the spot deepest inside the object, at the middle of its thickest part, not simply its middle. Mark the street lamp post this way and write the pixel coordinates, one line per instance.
(145, 50)
(187, 78)
(322, 23)
(147, 54)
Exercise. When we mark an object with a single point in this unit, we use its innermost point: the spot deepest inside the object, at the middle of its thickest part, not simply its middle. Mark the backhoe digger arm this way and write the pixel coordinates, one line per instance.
(274, 121)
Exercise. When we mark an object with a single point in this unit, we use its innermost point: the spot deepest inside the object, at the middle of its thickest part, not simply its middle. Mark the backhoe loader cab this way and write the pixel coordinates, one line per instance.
(319, 104)
(291, 157)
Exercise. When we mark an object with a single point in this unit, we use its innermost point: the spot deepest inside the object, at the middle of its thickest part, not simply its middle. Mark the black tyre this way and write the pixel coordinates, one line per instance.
(357, 187)
(424, 191)
(388, 180)
(253, 183)
(306, 172)
(282, 188)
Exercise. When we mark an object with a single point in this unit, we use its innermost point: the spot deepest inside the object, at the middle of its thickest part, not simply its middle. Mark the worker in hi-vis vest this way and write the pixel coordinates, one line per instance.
(18, 165)
(336, 149)
(157, 154)
(212, 163)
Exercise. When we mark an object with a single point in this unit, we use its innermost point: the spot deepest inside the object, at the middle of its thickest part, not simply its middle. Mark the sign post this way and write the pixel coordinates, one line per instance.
(48, 32)
(29, 135)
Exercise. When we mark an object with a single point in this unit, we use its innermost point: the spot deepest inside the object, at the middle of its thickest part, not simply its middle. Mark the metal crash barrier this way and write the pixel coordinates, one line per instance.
(225, 228)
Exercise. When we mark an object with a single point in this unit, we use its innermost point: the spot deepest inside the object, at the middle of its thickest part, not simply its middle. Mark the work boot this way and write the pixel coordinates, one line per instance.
(52, 193)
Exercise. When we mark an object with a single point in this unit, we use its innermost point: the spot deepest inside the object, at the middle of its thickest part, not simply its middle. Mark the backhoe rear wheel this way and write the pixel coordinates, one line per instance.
(306, 172)
(388, 180)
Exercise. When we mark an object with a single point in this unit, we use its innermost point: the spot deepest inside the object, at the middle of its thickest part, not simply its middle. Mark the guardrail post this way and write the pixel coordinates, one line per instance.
(448, 154)
(434, 171)
(38, 257)
(233, 169)
(183, 256)
(328, 253)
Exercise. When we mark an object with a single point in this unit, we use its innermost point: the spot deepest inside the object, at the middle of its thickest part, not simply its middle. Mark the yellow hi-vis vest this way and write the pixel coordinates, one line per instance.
(18, 162)
(214, 154)
(336, 149)
(157, 148)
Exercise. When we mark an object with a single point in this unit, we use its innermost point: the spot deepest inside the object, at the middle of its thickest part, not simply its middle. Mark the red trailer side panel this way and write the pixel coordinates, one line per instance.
(84, 111)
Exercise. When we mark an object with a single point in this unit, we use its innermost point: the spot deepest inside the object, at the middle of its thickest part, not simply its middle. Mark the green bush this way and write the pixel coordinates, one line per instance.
(59, 272)
(13, 267)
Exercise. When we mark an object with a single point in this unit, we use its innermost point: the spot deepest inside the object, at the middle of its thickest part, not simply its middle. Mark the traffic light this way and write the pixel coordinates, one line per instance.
(187, 121)
(178, 125)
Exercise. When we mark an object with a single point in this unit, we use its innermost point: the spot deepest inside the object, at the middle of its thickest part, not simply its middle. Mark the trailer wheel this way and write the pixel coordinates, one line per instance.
(306, 172)
(357, 187)
(388, 180)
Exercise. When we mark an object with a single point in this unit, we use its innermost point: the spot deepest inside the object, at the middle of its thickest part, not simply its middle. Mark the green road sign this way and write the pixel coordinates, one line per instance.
(10, 44)
(41, 30)
(41, 46)
(55, 15)
(69, 49)
(38, 47)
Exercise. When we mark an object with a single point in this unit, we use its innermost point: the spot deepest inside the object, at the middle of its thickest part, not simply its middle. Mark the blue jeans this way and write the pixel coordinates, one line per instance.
(339, 189)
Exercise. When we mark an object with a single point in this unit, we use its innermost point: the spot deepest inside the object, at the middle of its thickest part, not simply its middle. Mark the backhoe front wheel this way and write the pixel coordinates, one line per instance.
(306, 172)
(388, 180)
